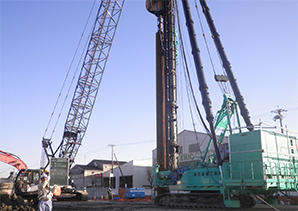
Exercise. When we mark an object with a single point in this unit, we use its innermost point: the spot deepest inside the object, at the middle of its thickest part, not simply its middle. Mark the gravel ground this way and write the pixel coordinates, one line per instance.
(143, 206)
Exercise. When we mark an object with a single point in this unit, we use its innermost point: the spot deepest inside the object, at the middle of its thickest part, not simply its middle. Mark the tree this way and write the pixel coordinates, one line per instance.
(150, 177)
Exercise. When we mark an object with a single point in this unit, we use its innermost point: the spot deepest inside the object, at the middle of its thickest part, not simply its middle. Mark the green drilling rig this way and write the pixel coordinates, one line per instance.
(256, 162)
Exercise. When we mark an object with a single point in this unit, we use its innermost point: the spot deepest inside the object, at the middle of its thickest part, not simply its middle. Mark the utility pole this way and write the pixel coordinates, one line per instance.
(112, 146)
(278, 115)
(112, 171)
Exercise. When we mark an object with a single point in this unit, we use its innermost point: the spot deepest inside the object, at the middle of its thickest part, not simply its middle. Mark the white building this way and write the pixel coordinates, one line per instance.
(83, 175)
(97, 176)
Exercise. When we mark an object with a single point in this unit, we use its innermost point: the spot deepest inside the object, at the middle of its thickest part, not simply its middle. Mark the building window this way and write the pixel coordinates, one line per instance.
(128, 180)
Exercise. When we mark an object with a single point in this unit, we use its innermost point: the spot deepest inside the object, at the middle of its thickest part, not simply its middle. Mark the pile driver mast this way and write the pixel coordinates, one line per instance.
(166, 88)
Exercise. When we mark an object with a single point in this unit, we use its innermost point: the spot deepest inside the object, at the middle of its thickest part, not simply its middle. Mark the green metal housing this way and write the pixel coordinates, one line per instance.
(262, 161)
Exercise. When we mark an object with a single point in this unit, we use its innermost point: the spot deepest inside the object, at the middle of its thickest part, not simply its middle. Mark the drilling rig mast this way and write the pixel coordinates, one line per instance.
(167, 141)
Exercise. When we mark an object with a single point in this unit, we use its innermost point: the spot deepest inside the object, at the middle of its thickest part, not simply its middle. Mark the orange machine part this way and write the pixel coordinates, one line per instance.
(12, 160)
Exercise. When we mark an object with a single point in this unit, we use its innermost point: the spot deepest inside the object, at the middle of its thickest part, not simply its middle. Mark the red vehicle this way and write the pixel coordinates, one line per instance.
(6, 184)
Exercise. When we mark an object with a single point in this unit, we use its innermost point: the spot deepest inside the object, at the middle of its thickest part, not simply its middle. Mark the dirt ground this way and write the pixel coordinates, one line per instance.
(144, 206)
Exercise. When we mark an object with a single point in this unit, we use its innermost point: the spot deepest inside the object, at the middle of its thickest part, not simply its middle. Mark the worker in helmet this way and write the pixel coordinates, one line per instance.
(110, 193)
(45, 194)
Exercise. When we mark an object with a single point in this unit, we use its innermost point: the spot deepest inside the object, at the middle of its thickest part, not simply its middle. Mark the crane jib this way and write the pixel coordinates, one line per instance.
(89, 80)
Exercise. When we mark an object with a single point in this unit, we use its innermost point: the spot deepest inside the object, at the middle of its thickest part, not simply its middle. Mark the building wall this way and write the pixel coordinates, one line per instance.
(84, 179)
(140, 178)
(84, 176)
(91, 172)
(193, 146)
(138, 173)
(96, 185)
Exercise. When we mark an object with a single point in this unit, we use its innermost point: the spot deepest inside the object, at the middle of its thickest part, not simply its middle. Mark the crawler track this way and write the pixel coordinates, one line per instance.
(208, 201)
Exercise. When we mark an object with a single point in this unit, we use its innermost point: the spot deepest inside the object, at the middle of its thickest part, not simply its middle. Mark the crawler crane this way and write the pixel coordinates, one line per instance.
(254, 163)
(82, 104)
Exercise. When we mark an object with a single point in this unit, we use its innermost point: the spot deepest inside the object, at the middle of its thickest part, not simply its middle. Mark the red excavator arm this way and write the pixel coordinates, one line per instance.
(13, 160)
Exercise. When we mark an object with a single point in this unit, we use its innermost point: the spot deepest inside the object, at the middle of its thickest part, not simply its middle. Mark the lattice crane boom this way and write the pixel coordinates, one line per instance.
(91, 74)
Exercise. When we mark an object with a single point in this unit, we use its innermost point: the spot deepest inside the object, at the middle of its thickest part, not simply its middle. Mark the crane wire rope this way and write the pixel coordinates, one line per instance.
(187, 76)
(187, 81)
(180, 95)
(187, 72)
(222, 85)
(66, 77)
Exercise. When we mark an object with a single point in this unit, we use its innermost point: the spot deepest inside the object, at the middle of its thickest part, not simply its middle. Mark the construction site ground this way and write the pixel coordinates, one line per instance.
(144, 206)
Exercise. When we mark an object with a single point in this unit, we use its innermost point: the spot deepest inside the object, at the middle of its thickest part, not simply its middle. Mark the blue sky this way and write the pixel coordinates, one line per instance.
(38, 41)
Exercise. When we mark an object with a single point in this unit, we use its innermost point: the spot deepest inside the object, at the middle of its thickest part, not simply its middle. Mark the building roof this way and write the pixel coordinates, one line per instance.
(190, 131)
(106, 162)
(84, 167)
(96, 165)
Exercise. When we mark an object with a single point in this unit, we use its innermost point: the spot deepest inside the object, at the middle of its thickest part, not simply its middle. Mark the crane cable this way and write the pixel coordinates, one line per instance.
(187, 79)
(66, 77)
(223, 88)
(188, 74)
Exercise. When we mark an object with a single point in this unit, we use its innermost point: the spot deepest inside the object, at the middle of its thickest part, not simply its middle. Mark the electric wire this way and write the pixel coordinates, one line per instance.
(65, 79)
(120, 145)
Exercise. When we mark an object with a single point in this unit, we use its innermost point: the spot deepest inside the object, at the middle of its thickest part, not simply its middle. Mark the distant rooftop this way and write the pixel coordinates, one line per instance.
(105, 162)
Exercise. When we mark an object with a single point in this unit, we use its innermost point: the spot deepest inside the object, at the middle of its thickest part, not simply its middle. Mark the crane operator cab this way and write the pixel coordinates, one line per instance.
(26, 183)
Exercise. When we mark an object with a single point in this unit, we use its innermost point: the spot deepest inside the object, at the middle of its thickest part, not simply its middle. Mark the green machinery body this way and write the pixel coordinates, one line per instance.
(258, 162)
(252, 164)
